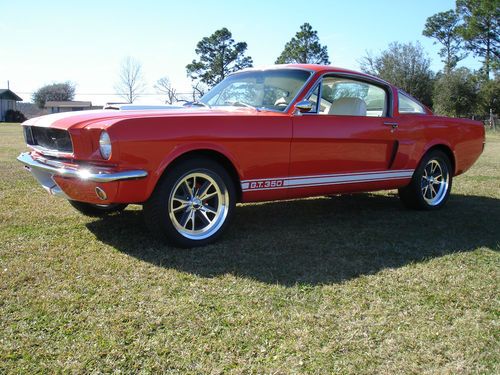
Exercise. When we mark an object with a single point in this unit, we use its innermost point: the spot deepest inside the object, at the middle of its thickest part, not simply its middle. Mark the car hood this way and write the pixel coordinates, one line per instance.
(81, 119)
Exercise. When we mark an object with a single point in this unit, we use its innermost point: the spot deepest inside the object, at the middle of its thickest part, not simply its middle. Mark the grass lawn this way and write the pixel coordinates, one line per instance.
(352, 284)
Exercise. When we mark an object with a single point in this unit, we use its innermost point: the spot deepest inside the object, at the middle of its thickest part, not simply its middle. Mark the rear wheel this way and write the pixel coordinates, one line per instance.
(97, 210)
(192, 204)
(431, 183)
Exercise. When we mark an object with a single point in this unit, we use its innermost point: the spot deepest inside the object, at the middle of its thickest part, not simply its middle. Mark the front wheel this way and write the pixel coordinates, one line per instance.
(192, 204)
(431, 183)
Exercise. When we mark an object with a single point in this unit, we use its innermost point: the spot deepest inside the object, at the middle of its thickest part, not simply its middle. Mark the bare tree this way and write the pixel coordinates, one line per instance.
(131, 80)
(164, 86)
(199, 89)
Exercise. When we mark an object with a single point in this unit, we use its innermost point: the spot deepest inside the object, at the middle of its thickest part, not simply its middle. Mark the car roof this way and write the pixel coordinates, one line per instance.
(316, 68)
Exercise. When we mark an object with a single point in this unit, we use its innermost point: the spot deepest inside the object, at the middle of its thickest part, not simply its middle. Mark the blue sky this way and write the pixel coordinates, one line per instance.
(85, 41)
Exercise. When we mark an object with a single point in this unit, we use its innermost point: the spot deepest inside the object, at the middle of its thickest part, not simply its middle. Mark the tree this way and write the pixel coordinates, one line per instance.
(219, 55)
(456, 93)
(444, 27)
(488, 98)
(131, 82)
(304, 48)
(199, 89)
(481, 30)
(54, 92)
(404, 65)
(164, 86)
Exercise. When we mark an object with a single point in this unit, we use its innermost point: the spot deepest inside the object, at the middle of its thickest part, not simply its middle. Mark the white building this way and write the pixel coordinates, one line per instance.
(67, 106)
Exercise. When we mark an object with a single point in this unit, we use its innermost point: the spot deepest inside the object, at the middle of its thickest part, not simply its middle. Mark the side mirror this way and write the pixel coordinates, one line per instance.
(304, 106)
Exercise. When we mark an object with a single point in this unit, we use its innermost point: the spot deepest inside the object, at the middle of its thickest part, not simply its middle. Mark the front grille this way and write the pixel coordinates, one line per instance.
(48, 138)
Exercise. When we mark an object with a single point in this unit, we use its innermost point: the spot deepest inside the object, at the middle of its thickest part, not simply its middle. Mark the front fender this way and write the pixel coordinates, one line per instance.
(183, 149)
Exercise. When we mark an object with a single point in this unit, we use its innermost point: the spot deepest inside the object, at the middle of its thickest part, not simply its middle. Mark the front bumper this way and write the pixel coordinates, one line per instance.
(51, 175)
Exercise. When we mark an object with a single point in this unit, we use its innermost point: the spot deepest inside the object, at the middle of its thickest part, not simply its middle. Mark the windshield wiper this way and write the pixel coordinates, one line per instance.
(196, 103)
(241, 104)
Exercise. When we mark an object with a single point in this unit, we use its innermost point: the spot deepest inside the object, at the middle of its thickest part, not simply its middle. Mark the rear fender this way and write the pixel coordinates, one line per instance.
(441, 144)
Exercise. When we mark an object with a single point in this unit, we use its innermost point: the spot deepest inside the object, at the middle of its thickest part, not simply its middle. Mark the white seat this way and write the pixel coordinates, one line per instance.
(348, 107)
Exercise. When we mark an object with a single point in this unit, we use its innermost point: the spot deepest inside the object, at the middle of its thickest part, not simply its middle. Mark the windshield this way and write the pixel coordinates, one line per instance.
(268, 89)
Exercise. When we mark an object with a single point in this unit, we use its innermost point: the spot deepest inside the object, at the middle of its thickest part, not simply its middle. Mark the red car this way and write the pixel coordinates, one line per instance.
(290, 131)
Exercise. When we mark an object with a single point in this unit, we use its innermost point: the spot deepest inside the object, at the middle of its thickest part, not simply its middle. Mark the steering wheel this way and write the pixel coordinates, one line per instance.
(281, 102)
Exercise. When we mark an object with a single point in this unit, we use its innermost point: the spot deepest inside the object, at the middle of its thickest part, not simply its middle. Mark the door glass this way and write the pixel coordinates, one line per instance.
(347, 97)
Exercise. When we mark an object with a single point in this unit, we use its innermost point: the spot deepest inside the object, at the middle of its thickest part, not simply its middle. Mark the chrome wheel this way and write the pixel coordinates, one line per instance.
(198, 204)
(434, 182)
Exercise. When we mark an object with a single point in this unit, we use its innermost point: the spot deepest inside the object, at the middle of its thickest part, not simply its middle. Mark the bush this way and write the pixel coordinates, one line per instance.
(14, 116)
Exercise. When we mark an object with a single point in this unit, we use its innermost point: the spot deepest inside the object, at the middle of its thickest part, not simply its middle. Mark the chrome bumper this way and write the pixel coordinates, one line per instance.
(44, 172)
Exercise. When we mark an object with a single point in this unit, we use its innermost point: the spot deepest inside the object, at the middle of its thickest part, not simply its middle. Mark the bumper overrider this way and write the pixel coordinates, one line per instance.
(76, 182)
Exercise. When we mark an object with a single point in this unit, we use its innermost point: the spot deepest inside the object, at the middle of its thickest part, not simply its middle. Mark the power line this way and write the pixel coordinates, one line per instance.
(114, 94)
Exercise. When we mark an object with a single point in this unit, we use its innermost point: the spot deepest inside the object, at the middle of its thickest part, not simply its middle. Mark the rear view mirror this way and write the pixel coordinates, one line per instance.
(304, 106)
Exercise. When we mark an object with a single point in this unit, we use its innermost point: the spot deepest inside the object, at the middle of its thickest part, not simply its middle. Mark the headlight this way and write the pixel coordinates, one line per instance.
(105, 145)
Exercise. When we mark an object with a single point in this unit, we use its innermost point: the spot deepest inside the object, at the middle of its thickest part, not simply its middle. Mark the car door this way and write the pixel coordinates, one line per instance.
(347, 141)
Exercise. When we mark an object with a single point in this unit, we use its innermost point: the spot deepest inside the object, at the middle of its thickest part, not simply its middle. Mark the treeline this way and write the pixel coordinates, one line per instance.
(472, 28)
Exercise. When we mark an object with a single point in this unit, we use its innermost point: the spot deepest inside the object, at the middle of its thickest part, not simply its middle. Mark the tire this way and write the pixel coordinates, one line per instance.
(192, 204)
(431, 183)
(97, 210)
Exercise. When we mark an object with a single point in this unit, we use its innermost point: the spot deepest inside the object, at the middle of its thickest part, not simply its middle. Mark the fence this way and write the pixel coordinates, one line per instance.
(490, 121)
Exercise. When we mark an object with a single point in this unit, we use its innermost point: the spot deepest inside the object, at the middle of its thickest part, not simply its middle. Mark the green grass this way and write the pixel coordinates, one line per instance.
(353, 284)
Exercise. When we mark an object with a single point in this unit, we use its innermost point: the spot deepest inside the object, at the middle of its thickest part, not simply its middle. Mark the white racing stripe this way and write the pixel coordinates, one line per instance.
(322, 180)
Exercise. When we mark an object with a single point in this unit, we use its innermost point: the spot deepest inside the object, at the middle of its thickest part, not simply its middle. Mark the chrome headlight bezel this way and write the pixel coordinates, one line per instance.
(105, 147)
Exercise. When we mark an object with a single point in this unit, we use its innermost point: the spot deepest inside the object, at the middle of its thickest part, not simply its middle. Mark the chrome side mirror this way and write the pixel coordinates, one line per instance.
(304, 106)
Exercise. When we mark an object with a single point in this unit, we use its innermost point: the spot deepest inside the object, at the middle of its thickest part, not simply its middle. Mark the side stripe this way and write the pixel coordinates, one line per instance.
(322, 180)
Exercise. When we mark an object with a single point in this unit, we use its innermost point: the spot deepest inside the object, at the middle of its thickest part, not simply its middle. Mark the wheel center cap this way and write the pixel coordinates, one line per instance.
(196, 203)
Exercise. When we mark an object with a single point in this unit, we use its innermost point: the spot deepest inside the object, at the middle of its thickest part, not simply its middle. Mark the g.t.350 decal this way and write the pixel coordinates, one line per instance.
(331, 179)
(265, 184)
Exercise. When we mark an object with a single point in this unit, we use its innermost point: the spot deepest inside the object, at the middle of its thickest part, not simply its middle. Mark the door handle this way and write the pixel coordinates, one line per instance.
(393, 125)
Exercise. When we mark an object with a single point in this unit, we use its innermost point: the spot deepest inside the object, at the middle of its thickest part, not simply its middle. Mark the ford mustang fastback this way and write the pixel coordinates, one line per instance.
(289, 131)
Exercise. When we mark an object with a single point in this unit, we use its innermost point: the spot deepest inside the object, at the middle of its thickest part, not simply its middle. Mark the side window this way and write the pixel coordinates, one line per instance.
(346, 97)
(313, 98)
(408, 105)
